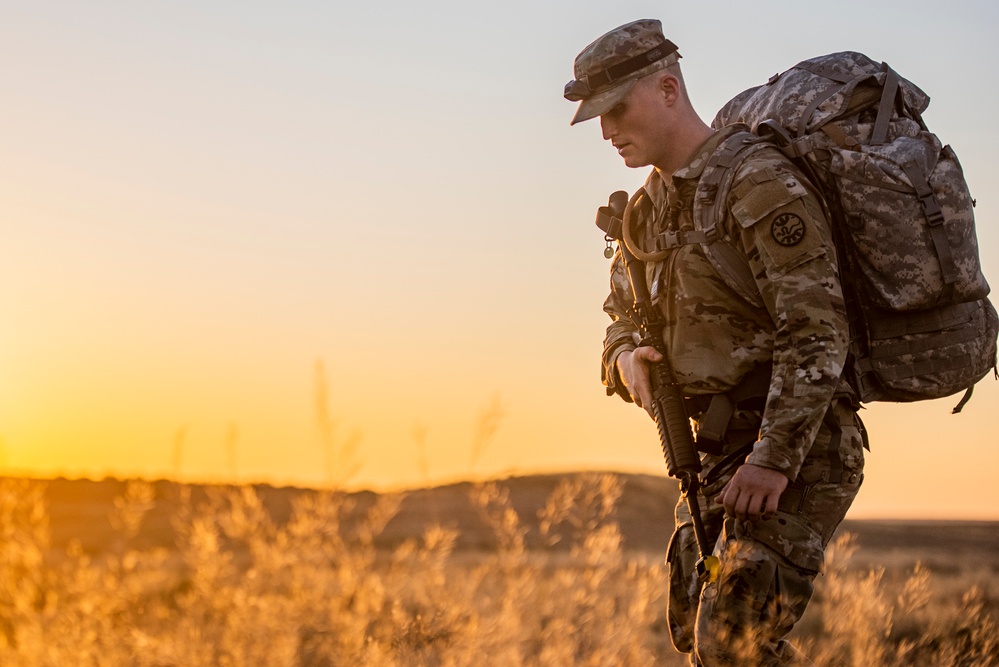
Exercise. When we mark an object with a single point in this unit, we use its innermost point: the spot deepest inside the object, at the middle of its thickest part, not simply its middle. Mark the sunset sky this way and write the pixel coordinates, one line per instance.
(308, 242)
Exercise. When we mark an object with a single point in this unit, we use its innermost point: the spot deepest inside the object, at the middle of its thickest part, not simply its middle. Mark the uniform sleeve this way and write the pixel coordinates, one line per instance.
(790, 248)
(621, 333)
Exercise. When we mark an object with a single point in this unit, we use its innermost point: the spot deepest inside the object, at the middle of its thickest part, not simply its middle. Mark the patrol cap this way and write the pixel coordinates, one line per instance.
(608, 69)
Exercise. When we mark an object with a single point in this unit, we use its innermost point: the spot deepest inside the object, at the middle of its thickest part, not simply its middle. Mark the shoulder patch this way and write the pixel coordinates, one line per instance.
(788, 229)
(789, 237)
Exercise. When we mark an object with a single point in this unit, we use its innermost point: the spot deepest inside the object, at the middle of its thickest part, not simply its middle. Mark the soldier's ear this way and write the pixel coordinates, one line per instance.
(669, 86)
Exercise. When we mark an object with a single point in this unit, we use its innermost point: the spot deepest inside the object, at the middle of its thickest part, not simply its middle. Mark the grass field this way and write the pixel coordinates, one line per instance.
(546, 570)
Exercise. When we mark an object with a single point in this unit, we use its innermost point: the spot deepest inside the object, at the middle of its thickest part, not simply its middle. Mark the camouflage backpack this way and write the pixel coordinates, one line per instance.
(921, 325)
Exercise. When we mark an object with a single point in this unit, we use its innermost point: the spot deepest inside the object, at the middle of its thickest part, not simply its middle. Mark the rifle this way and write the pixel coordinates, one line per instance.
(672, 422)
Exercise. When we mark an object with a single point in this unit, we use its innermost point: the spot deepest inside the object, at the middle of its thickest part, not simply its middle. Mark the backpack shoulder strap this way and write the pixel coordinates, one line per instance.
(717, 178)
(710, 200)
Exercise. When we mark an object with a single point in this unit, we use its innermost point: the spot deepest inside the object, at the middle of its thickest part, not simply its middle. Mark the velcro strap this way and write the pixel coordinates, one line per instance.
(761, 195)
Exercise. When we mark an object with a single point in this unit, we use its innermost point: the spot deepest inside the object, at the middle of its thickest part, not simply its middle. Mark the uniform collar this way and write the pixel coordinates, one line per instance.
(694, 168)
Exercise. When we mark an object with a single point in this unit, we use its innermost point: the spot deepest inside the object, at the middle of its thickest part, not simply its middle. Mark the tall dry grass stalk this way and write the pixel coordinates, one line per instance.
(897, 618)
(486, 427)
(320, 589)
(342, 461)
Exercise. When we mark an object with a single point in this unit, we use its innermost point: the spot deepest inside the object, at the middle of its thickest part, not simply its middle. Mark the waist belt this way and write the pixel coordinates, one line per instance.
(714, 412)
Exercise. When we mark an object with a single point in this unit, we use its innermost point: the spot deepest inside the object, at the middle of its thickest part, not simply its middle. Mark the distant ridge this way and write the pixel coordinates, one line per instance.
(80, 510)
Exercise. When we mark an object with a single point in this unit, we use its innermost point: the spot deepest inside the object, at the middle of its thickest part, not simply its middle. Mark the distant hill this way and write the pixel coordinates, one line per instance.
(80, 510)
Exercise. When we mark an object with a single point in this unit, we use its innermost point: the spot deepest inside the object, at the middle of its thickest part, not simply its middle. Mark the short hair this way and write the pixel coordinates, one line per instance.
(673, 69)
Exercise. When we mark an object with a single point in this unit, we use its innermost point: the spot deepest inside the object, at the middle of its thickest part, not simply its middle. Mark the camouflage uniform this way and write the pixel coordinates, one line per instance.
(716, 335)
(783, 320)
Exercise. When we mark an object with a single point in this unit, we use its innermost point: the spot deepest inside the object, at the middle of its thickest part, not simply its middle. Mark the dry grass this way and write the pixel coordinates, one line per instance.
(241, 588)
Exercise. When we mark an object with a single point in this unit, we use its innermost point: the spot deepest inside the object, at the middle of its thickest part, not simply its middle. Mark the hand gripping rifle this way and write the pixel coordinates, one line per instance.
(682, 460)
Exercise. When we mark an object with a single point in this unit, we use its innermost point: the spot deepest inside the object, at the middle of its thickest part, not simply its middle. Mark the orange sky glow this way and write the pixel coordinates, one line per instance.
(316, 245)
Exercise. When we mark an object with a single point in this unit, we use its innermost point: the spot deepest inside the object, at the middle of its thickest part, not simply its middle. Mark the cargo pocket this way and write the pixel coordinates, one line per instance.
(790, 537)
(684, 587)
(766, 580)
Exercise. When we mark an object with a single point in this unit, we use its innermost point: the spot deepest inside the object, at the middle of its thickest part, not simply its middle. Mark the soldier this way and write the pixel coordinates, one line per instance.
(788, 461)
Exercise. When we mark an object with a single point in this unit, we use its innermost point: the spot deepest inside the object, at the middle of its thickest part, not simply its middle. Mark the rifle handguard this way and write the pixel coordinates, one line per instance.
(674, 428)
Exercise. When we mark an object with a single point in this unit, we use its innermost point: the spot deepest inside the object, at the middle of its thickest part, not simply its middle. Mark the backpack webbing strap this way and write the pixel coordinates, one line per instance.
(735, 265)
(806, 115)
(674, 238)
(712, 194)
(913, 347)
(964, 400)
(921, 368)
(824, 71)
(890, 91)
(936, 319)
(715, 170)
(880, 133)
(840, 137)
(881, 359)
(935, 220)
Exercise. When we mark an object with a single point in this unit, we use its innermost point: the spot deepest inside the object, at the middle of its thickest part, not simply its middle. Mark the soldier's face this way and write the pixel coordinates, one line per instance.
(636, 125)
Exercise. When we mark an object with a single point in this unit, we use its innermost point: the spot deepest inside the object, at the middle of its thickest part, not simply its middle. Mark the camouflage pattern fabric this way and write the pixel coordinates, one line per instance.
(877, 183)
(715, 334)
(641, 39)
(768, 567)
(924, 327)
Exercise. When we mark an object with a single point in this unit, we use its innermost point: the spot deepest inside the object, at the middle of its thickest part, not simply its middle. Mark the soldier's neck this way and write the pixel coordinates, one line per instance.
(687, 139)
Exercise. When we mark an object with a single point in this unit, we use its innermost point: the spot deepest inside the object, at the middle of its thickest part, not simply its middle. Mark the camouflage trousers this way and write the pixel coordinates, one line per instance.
(768, 566)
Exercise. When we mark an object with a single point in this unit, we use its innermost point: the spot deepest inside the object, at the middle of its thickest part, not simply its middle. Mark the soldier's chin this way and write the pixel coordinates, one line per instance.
(631, 157)
(634, 161)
